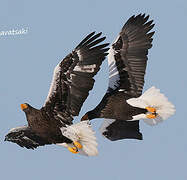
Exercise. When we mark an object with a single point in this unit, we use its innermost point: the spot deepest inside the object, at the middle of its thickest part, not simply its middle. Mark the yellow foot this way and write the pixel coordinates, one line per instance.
(151, 109)
(73, 150)
(77, 144)
(151, 116)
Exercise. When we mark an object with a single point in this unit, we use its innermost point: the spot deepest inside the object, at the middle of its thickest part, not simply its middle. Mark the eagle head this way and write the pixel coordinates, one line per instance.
(25, 107)
(85, 117)
(89, 116)
(28, 110)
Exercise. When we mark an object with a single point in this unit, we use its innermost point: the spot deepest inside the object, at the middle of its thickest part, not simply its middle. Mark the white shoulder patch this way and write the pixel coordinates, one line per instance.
(52, 89)
(113, 71)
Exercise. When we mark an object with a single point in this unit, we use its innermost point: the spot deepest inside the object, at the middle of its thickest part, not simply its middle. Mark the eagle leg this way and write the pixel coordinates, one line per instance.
(151, 116)
(151, 112)
(151, 109)
(77, 144)
(73, 150)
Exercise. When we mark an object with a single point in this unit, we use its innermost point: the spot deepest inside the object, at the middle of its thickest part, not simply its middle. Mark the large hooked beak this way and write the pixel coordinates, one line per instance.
(24, 106)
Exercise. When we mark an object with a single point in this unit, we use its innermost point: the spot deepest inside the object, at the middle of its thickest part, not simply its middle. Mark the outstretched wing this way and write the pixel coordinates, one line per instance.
(120, 129)
(73, 78)
(127, 57)
(25, 137)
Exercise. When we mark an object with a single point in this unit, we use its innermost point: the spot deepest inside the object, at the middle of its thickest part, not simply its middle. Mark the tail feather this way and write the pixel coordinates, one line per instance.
(83, 133)
(164, 108)
(153, 98)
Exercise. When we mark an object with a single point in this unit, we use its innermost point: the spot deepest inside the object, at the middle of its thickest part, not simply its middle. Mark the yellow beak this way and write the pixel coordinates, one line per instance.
(85, 117)
(24, 106)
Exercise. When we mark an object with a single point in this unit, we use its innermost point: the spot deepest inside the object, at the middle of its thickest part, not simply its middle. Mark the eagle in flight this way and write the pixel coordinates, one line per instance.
(71, 83)
(124, 105)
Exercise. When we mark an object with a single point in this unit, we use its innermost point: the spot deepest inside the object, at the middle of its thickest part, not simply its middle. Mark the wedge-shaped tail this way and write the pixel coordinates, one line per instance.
(83, 137)
(156, 102)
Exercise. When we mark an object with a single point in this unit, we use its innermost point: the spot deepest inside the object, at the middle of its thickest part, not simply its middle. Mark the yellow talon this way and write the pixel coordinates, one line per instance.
(77, 144)
(73, 150)
(151, 109)
(151, 116)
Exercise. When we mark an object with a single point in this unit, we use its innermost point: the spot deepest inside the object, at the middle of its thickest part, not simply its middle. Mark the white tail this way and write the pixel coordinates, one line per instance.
(153, 98)
(83, 133)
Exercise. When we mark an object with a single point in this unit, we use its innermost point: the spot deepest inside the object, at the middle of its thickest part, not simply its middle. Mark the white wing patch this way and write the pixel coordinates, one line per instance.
(30, 140)
(56, 75)
(85, 68)
(16, 129)
(113, 71)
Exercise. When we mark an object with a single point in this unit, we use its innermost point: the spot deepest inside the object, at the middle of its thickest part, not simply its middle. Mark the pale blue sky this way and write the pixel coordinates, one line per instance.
(26, 67)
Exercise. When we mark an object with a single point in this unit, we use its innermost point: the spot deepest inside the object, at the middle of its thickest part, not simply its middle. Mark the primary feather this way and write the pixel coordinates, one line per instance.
(72, 80)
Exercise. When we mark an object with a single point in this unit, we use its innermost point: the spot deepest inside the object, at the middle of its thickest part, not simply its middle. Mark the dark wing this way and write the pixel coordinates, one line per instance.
(127, 57)
(73, 78)
(25, 137)
(120, 129)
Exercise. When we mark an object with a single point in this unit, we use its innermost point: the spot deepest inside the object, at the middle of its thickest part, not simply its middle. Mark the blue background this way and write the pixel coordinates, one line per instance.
(26, 68)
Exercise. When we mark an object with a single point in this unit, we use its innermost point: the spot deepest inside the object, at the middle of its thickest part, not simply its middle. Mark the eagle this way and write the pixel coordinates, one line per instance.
(72, 80)
(124, 105)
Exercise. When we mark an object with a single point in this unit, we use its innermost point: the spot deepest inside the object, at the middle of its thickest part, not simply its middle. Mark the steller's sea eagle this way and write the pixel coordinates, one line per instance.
(71, 83)
(124, 105)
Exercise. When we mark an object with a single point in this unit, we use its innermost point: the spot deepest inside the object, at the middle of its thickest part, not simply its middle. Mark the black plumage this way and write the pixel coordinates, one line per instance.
(125, 129)
(127, 64)
(72, 81)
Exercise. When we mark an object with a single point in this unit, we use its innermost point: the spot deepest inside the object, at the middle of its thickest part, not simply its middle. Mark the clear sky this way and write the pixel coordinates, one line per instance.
(26, 68)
